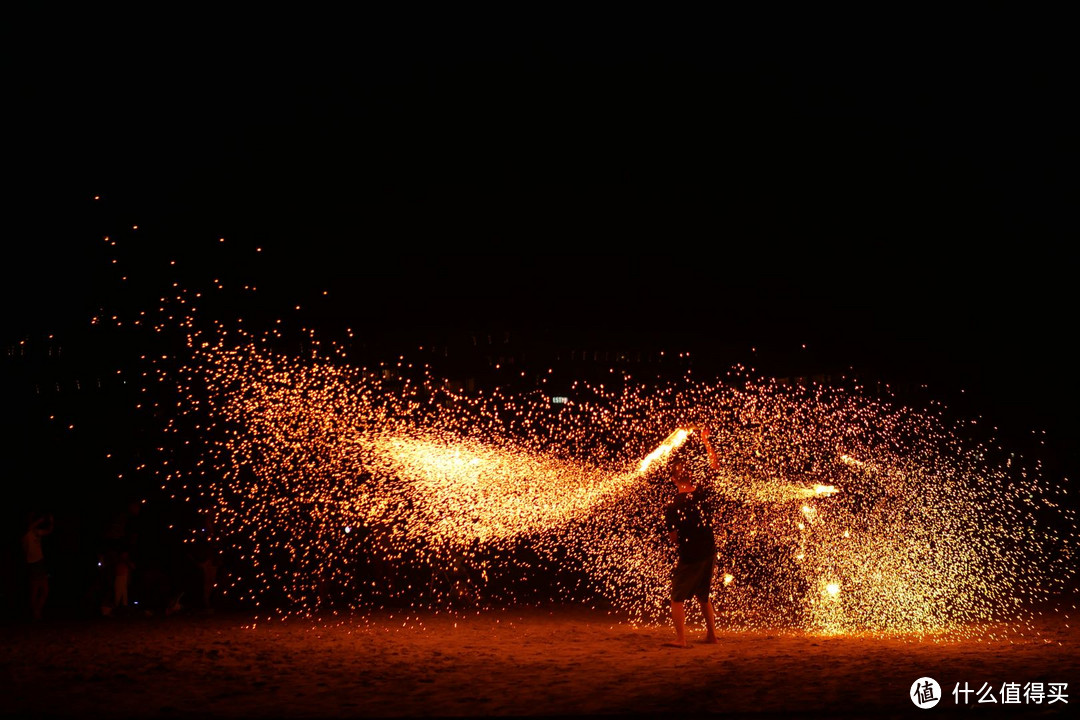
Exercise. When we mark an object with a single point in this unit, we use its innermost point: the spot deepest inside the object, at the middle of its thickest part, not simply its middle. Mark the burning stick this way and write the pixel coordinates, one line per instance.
(671, 442)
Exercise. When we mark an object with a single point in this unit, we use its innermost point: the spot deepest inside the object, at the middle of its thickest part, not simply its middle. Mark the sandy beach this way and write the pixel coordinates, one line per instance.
(556, 661)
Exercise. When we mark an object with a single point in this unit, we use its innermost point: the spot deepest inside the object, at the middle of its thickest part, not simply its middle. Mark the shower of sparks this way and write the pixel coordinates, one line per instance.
(837, 513)
(338, 486)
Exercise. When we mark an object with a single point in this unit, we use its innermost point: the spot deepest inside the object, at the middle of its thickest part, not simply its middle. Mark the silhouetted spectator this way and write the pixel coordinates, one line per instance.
(207, 558)
(120, 536)
(37, 527)
(122, 572)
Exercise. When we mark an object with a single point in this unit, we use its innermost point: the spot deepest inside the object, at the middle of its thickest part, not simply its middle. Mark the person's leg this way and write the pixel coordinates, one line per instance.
(678, 615)
(710, 620)
(209, 576)
(702, 592)
(37, 597)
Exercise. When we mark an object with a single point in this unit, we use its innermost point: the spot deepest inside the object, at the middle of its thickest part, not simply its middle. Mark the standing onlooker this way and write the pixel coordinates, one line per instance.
(120, 535)
(206, 557)
(123, 569)
(38, 527)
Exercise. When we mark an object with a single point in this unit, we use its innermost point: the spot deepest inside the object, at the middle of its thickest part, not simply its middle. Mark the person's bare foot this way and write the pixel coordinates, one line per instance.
(711, 640)
(676, 644)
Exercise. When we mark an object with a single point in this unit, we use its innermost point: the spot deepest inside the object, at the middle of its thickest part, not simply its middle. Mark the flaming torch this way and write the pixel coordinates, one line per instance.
(671, 442)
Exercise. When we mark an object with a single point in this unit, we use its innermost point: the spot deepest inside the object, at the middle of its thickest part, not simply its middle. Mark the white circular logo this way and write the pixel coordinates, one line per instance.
(925, 692)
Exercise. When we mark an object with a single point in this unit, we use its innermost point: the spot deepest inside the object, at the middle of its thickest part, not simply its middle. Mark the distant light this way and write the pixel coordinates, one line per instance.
(728, 578)
(348, 529)
(559, 399)
(833, 589)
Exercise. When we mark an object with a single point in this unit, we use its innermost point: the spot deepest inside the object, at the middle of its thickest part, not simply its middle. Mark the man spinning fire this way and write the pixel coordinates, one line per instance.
(688, 522)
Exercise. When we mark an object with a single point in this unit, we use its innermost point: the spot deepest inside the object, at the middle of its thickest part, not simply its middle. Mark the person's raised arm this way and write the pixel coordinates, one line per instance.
(42, 525)
(714, 462)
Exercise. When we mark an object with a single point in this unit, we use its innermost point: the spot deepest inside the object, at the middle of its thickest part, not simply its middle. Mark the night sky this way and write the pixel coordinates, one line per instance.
(894, 200)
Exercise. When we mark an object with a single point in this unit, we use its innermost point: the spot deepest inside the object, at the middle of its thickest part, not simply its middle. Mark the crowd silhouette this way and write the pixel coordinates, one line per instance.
(111, 564)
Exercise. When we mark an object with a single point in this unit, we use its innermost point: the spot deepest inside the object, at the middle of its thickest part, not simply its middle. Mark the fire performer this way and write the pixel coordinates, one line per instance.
(689, 525)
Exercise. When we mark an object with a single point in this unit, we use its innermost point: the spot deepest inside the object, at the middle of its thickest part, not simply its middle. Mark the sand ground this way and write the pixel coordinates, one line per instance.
(562, 661)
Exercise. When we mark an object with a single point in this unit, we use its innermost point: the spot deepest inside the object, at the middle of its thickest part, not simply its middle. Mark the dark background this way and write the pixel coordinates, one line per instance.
(889, 191)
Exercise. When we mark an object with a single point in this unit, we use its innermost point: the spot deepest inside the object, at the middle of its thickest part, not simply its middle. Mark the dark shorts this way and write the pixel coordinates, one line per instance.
(37, 570)
(692, 579)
